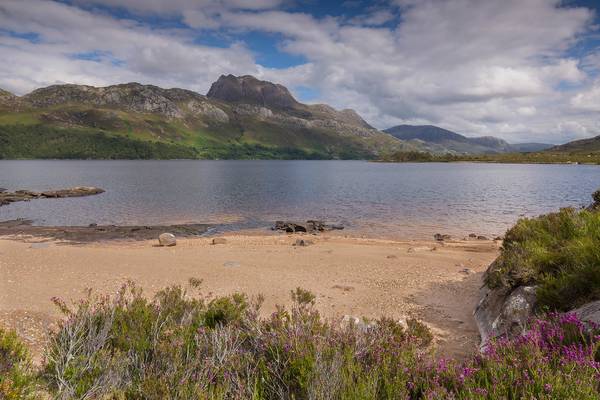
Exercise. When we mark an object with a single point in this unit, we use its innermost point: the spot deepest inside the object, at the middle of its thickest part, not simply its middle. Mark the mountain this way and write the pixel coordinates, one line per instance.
(530, 147)
(240, 117)
(439, 140)
(582, 146)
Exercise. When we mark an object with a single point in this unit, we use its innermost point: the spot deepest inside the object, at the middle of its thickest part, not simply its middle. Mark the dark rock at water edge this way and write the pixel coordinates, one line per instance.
(441, 237)
(310, 226)
(96, 233)
(595, 206)
(7, 197)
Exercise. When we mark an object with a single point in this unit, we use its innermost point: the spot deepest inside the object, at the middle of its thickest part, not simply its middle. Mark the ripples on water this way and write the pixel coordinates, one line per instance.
(375, 199)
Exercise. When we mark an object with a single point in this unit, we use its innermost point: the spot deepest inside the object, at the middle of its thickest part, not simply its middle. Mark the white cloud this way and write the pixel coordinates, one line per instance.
(166, 58)
(494, 67)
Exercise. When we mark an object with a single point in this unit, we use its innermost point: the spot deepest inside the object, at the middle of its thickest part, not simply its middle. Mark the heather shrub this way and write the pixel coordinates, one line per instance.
(183, 346)
(559, 252)
(17, 380)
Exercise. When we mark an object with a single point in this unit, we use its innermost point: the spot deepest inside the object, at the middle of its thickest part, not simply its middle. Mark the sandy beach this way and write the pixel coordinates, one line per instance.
(435, 282)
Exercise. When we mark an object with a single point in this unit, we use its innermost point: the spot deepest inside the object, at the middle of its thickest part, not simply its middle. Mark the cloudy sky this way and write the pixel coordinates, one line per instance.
(523, 70)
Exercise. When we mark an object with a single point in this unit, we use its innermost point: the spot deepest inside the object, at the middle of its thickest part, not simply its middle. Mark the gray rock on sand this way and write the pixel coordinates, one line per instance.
(219, 241)
(231, 264)
(167, 239)
(420, 248)
(302, 242)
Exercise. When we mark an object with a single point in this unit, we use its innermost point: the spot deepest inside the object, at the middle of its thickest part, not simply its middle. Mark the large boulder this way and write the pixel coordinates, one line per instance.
(167, 239)
(504, 312)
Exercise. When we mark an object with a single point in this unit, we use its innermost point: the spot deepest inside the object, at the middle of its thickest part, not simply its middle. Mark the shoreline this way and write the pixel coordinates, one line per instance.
(437, 282)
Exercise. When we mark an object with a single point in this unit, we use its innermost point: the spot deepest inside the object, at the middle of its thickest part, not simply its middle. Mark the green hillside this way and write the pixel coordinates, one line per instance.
(241, 118)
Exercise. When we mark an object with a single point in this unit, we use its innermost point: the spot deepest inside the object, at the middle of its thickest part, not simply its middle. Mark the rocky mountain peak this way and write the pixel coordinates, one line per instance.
(250, 90)
(131, 96)
(7, 99)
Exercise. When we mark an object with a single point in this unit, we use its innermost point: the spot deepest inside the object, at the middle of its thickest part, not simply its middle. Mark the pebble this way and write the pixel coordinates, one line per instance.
(231, 264)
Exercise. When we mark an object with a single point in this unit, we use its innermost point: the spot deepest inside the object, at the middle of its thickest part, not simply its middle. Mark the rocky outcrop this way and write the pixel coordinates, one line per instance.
(589, 313)
(7, 197)
(6, 98)
(130, 96)
(595, 206)
(24, 229)
(311, 226)
(504, 312)
(441, 237)
(249, 90)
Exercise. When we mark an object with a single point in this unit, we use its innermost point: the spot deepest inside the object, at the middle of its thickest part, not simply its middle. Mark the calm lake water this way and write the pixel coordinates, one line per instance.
(375, 199)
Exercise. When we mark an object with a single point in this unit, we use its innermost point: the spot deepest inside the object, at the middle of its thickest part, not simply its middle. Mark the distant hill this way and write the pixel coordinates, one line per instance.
(439, 140)
(582, 146)
(530, 147)
(240, 117)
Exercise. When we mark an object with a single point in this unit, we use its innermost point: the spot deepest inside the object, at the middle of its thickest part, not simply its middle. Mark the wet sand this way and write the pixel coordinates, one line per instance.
(437, 283)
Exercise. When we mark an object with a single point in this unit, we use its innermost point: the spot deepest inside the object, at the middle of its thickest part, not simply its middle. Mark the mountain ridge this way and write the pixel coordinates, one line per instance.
(239, 117)
(440, 140)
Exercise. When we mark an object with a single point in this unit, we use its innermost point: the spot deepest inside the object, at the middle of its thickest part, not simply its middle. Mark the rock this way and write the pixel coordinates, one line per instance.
(440, 237)
(26, 195)
(467, 271)
(302, 243)
(420, 248)
(93, 225)
(360, 324)
(589, 313)
(595, 206)
(472, 235)
(78, 191)
(167, 239)
(219, 241)
(39, 245)
(504, 312)
(344, 288)
(392, 257)
(498, 238)
(310, 226)
(231, 264)
(481, 237)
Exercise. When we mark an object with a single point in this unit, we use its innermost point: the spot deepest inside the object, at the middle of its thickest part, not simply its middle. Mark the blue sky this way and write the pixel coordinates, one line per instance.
(524, 70)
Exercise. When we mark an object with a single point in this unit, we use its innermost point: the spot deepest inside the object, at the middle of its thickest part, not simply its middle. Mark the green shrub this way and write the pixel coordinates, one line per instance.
(559, 252)
(179, 346)
(17, 380)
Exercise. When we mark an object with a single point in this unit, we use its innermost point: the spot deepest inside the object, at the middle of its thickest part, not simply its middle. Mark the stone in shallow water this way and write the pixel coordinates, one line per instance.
(219, 241)
(167, 239)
